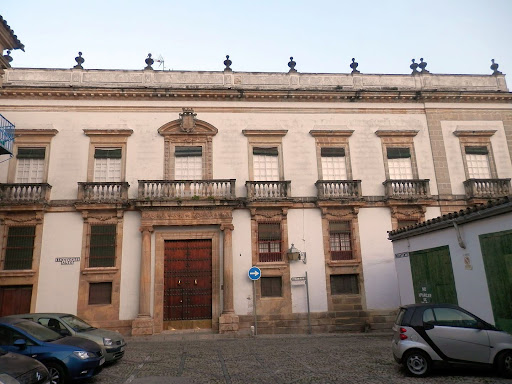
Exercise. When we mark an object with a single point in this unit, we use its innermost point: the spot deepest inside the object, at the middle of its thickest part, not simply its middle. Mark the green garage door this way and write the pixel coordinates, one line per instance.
(432, 276)
(497, 254)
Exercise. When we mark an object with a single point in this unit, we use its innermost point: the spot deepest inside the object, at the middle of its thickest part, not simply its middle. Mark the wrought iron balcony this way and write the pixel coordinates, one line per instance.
(487, 188)
(103, 192)
(338, 189)
(407, 188)
(6, 136)
(25, 193)
(267, 190)
(186, 189)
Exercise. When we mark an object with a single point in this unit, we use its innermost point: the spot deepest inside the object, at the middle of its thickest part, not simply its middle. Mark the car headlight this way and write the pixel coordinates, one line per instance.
(107, 341)
(84, 355)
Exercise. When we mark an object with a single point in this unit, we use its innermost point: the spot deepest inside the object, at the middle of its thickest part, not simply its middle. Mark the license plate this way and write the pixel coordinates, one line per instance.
(102, 361)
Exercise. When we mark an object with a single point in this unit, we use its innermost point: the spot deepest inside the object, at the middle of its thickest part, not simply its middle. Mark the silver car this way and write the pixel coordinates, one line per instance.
(427, 334)
(112, 343)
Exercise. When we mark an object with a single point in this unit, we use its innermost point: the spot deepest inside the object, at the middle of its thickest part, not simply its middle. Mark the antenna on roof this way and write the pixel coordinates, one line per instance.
(161, 62)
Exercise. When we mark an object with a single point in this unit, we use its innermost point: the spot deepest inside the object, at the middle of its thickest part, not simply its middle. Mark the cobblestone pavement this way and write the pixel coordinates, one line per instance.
(280, 359)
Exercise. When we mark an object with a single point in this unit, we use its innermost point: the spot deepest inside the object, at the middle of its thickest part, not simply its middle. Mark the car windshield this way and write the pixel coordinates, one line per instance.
(38, 331)
(76, 323)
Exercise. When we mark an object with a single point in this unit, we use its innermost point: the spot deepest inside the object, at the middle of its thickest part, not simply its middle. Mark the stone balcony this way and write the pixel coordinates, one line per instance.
(168, 190)
(338, 189)
(103, 192)
(25, 193)
(268, 190)
(487, 188)
(407, 189)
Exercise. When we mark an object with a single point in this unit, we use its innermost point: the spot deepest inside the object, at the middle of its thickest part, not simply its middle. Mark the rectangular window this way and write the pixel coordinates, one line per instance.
(333, 163)
(340, 240)
(30, 165)
(100, 293)
(344, 284)
(477, 160)
(399, 163)
(20, 248)
(271, 286)
(188, 163)
(102, 251)
(107, 164)
(269, 242)
(265, 164)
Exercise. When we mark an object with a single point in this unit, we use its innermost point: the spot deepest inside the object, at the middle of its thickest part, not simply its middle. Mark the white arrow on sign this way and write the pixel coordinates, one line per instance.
(254, 273)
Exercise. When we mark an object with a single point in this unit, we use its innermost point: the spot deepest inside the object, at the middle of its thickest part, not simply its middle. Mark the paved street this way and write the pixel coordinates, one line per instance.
(208, 358)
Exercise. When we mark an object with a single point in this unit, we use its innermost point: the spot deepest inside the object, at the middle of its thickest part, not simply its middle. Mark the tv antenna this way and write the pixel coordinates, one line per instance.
(161, 62)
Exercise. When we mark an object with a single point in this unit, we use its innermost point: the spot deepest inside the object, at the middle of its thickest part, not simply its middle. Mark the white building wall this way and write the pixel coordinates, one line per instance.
(242, 262)
(57, 289)
(381, 286)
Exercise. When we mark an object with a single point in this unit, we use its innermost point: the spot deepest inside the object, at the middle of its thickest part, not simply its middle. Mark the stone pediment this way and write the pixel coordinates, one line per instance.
(187, 124)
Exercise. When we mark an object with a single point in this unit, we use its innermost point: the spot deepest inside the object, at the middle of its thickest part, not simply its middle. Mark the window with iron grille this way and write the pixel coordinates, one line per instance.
(100, 293)
(340, 240)
(269, 242)
(20, 247)
(477, 160)
(30, 165)
(271, 286)
(344, 284)
(102, 250)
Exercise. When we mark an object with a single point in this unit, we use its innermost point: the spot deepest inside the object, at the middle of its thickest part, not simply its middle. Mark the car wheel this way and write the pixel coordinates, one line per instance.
(417, 363)
(57, 374)
(505, 364)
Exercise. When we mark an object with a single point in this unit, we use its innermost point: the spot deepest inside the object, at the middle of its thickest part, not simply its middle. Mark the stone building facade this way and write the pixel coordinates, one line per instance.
(139, 200)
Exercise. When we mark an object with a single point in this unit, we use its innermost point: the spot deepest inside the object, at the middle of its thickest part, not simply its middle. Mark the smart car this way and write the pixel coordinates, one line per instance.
(19, 369)
(64, 357)
(112, 343)
(427, 334)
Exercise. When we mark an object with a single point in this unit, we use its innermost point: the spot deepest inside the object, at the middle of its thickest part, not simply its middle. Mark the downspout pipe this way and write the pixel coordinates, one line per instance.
(459, 237)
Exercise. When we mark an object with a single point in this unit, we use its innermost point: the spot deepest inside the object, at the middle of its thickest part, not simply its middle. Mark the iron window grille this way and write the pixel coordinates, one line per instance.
(102, 251)
(269, 242)
(100, 293)
(344, 284)
(271, 286)
(340, 240)
(20, 247)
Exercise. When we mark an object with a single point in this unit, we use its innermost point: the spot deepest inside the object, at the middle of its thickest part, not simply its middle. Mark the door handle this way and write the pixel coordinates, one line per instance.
(179, 282)
(195, 282)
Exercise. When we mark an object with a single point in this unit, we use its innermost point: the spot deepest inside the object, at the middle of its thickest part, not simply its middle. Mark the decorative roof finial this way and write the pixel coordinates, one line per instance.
(228, 63)
(79, 61)
(423, 65)
(413, 66)
(354, 66)
(494, 67)
(292, 65)
(8, 57)
(149, 62)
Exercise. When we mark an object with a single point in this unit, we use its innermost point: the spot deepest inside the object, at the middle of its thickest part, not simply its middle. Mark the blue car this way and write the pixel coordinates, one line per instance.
(67, 358)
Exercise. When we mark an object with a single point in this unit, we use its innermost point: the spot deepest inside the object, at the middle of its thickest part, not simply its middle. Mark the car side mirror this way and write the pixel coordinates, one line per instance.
(480, 325)
(20, 343)
(428, 326)
(64, 332)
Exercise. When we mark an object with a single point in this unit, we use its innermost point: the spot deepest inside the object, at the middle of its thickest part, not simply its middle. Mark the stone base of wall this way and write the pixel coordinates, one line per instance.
(142, 326)
(229, 323)
(124, 327)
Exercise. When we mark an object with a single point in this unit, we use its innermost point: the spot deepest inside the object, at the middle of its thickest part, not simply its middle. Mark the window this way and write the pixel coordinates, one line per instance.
(188, 163)
(271, 286)
(269, 242)
(30, 165)
(340, 240)
(107, 164)
(102, 252)
(20, 247)
(100, 293)
(477, 160)
(333, 163)
(449, 317)
(399, 163)
(344, 284)
(265, 164)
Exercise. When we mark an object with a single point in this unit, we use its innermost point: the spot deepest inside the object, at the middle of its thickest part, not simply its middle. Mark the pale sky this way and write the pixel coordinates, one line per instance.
(453, 36)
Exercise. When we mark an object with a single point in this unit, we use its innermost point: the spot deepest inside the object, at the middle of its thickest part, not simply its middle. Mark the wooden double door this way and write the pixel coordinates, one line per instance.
(15, 299)
(187, 284)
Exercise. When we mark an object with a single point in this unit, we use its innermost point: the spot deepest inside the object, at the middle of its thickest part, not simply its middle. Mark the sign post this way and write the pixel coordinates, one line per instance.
(305, 279)
(254, 274)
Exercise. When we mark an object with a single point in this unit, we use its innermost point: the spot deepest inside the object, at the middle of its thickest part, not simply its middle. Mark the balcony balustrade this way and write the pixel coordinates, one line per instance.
(103, 192)
(186, 189)
(25, 193)
(487, 188)
(268, 190)
(338, 189)
(407, 188)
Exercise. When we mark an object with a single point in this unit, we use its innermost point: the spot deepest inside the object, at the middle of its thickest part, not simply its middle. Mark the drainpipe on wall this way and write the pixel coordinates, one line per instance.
(459, 237)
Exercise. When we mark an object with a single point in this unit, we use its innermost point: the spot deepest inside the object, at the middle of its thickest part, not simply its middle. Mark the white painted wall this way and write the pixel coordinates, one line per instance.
(57, 289)
(242, 262)
(305, 232)
(379, 272)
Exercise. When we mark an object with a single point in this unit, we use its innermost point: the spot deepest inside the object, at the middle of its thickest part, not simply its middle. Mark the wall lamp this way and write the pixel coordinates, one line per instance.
(294, 254)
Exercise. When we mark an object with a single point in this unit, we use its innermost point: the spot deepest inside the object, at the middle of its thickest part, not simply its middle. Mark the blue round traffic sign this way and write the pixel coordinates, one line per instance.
(254, 273)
